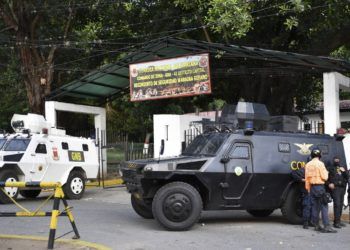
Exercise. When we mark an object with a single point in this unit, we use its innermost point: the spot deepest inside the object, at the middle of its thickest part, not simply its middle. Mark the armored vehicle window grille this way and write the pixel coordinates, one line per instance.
(41, 149)
(190, 165)
(240, 152)
(17, 145)
(65, 145)
(85, 147)
(324, 149)
(284, 147)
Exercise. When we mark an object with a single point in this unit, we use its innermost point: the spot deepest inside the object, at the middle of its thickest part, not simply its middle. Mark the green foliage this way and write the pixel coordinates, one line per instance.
(291, 22)
(231, 16)
(217, 104)
(13, 94)
(308, 94)
(343, 52)
(102, 31)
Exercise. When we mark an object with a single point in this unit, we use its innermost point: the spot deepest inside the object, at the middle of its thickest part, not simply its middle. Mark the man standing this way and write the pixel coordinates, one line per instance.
(299, 176)
(338, 178)
(315, 177)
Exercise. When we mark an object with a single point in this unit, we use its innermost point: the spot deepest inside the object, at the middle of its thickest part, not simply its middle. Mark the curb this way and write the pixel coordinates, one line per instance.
(71, 242)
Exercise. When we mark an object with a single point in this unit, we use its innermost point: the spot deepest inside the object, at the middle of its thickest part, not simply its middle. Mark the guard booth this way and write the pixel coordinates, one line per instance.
(227, 62)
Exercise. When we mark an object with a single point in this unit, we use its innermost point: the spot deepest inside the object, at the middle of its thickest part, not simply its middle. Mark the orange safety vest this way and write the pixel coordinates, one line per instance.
(315, 173)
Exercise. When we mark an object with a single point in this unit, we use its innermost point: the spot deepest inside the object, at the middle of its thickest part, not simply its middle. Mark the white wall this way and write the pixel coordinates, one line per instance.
(51, 108)
(171, 129)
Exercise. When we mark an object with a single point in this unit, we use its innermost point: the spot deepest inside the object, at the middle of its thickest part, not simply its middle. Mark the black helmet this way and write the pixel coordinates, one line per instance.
(316, 152)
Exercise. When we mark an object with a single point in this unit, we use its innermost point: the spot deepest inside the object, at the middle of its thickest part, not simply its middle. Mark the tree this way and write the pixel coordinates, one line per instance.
(13, 95)
(27, 25)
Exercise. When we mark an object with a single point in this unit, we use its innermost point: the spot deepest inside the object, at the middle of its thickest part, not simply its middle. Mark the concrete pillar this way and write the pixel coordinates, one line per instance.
(50, 113)
(332, 83)
(331, 103)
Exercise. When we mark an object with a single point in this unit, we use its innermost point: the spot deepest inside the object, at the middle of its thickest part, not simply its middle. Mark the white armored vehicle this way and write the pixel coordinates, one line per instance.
(37, 152)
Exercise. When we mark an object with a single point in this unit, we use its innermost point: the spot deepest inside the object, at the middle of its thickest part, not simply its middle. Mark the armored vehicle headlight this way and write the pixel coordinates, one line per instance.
(148, 168)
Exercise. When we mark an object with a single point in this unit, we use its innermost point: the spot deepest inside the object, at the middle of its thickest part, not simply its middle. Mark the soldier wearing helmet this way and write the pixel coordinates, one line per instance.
(338, 178)
(316, 176)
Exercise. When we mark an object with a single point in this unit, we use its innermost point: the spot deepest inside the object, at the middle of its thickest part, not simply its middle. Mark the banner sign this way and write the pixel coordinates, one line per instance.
(181, 76)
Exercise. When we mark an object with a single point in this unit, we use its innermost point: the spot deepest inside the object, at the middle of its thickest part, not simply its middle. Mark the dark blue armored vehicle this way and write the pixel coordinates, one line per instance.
(226, 169)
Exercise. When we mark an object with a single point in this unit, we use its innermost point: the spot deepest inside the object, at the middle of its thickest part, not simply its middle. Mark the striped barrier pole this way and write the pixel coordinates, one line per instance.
(54, 214)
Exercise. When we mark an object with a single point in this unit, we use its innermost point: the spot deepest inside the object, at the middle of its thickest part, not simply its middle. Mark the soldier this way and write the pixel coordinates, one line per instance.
(315, 177)
(338, 178)
(299, 176)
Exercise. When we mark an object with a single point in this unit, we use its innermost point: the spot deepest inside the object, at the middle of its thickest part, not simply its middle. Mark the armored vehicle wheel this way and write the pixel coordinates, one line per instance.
(177, 206)
(75, 186)
(31, 194)
(292, 208)
(141, 208)
(8, 176)
(260, 213)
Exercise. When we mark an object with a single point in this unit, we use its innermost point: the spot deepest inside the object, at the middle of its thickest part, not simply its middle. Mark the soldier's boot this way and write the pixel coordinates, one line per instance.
(306, 225)
(319, 228)
(311, 224)
(329, 229)
(336, 225)
(342, 224)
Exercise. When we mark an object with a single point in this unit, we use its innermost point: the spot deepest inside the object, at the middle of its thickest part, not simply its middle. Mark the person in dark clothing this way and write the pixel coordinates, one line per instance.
(338, 179)
(299, 176)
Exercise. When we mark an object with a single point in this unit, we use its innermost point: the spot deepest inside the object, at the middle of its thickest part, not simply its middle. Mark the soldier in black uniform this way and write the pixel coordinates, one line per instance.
(299, 176)
(338, 178)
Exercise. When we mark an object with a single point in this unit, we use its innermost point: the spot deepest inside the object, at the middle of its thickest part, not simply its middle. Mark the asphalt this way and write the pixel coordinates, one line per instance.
(105, 216)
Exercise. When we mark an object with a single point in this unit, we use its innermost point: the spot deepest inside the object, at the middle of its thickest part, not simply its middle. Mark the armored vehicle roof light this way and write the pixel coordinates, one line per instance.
(256, 113)
(35, 123)
(252, 111)
(248, 127)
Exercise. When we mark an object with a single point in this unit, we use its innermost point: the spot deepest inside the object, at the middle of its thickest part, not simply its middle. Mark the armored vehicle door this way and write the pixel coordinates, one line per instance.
(40, 161)
(239, 171)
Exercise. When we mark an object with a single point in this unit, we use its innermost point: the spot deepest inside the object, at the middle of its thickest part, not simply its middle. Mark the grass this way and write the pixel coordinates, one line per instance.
(115, 155)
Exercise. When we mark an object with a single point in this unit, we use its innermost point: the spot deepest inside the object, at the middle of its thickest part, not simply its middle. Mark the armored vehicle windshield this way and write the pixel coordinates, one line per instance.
(2, 142)
(16, 145)
(206, 144)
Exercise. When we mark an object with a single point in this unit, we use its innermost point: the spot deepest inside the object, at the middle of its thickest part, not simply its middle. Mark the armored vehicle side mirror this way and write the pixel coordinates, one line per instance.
(161, 151)
(225, 160)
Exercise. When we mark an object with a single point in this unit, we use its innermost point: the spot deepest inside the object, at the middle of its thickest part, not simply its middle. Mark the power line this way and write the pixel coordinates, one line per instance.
(77, 6)
(166, 33)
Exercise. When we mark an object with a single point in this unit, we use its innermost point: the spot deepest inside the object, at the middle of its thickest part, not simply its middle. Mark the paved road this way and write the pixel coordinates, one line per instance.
(106, 217)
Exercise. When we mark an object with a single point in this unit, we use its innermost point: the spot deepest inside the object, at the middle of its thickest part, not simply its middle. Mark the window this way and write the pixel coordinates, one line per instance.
(324, 149)
(240, 152)
(65, 145)
(2, 143)
(85, 147)
(284, 147)
(41, 149)
(206, 144)
(17, 145)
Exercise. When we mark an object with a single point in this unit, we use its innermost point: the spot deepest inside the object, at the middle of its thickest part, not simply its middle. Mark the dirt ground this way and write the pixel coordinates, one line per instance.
(20, 244)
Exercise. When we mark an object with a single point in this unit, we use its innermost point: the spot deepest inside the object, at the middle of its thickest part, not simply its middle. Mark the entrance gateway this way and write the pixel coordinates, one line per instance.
(51, 108)
(112, 80)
